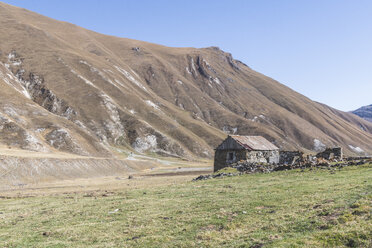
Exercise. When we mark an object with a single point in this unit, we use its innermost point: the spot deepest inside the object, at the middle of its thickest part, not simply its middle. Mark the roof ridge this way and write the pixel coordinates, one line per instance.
(255, 142)
(243, 145)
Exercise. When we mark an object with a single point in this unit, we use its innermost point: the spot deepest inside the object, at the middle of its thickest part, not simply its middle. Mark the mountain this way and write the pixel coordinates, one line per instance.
(364, 112)
(65, 89)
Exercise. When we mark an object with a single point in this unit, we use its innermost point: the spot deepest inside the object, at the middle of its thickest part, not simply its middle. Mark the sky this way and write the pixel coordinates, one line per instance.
(320, 48)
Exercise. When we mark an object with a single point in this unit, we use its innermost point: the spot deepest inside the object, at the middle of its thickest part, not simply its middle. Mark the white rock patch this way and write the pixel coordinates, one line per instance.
(193, 67)
(217, 81)
(206, 153)
(134, 73)
(151, 104)
(116, 84)
(114, 126)
(40, 130)
(68, 113)
(10, 76)
(80, 124)
(229, 130)
(78, 75)
(18, 85)
(145, 143)
(254, 119)
(108, 71)
(13, 60)
(61, 139)
(10, 111)
(356, 149)
(120, 83)
(34, 144)
(318, 145)
(130, 77)
(84, 79)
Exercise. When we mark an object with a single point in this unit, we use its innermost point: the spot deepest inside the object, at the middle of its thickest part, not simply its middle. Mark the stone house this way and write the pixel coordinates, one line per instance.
(254, 149)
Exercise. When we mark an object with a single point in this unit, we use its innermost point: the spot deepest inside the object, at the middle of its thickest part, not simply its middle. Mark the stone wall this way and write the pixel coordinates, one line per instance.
(271, 157)
(331, 153)
(291, 157)
(222, 158)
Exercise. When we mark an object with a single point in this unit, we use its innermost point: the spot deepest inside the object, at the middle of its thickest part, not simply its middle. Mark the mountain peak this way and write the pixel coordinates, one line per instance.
(365, 112)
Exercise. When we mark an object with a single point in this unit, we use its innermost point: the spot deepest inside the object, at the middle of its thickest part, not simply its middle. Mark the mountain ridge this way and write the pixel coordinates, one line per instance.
(364, 112)
(100, 95)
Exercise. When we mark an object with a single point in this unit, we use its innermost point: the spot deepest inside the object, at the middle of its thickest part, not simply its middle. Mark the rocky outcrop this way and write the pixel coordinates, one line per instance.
(36, 88)
(14, 135)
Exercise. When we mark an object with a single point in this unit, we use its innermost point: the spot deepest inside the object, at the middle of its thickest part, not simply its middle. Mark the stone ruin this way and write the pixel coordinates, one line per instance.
(289, 160)
(331, 154)
(290, 157)
(297, 157)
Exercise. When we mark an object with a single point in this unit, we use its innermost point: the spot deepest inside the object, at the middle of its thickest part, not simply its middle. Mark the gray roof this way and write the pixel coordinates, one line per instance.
(258, 143)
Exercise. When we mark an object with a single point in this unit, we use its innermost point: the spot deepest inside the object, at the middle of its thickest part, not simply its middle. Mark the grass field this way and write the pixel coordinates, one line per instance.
(317, 208)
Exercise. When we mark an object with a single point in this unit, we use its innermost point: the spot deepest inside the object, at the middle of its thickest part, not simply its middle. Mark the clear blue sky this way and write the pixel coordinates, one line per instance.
(320, 48)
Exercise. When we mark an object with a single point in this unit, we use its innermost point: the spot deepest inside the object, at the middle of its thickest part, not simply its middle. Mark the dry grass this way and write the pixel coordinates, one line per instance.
(282, 209)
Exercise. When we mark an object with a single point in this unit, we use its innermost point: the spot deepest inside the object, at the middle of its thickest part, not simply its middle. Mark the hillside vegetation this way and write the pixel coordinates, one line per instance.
(311, 208)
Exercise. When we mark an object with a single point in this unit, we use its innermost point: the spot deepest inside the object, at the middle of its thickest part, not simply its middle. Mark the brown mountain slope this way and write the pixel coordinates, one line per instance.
(65, 88)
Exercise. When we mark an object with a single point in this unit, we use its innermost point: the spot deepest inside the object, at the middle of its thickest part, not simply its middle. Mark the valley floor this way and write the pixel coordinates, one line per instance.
(311, 208)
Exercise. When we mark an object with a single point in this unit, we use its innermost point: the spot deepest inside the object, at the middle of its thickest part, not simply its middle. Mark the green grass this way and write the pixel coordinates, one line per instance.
(283, 209)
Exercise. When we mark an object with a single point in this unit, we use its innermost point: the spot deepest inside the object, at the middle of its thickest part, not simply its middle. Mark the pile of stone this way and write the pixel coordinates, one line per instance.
(334, 153)
(244, 167)
(219, 175)
(291, 157)
(359, 158)
(298, 158)
(360, 162)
